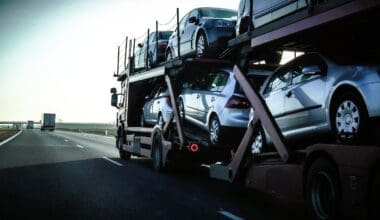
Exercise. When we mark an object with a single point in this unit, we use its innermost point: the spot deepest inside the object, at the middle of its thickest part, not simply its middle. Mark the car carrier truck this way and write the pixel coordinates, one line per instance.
(333, 180)
(48, 122)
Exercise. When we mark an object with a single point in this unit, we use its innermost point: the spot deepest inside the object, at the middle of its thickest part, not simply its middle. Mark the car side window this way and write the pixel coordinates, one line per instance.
(278, 82)
(182, 23)
(298, 77)
(217, 82)
(193, 14)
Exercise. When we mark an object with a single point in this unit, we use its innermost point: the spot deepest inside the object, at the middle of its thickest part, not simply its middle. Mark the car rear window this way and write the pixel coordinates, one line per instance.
(255, 81)
(219, 13)
(164, 35)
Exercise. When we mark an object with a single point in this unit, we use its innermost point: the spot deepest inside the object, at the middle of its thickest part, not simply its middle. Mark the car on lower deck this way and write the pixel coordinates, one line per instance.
(157, 107)
(204, 32)
(216, 103)
(314, 97)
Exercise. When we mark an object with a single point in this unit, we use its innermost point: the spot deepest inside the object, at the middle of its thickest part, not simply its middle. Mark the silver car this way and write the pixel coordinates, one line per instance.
(157, 107)
(312, 96)
(215, 103)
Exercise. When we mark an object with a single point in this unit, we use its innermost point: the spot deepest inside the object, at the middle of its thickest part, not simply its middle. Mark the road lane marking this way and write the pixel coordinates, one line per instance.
(230, 215)
(112, 161)
(11, 138)
(80, 146)
(66, 140)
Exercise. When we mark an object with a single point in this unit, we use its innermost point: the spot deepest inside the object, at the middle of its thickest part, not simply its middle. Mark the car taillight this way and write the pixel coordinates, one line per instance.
(237, 102)
(168, 101)
(162, 45)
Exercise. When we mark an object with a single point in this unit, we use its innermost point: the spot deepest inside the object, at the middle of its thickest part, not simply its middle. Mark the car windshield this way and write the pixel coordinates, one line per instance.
(165, 35)
(218, 13)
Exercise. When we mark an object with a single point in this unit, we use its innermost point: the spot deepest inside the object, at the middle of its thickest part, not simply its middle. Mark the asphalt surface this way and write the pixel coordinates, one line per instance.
(63, 175)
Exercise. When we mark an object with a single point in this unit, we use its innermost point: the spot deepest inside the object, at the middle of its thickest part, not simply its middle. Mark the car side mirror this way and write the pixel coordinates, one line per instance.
(193, 19)
(113, 90)
(140, 45)
(114, 100)
(311, 70)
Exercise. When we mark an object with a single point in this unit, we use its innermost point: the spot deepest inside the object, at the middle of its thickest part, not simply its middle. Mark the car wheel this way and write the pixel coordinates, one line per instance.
(120, 141)
(259, 143)
(149, 62)
(322, 190)
(169, 55)
(142, 120)
(157, 153)
(201, 45)
(349, 119)
(160, 120)
(181, 109)
(215, 131)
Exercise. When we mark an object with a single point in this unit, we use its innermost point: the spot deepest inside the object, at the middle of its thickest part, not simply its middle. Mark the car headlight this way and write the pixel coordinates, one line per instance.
(223, 23)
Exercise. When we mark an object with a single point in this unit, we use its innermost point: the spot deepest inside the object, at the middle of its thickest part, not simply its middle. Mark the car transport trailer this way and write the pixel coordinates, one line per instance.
(334, 180)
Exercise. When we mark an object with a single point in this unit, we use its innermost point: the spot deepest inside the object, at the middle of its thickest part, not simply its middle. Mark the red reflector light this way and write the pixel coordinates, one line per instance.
(193, 148)
(237, 102)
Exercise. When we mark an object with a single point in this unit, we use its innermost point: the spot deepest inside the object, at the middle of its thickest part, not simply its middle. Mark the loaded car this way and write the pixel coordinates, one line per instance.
(157, 107)
(203, 31)
(156, 54)
(216, 104)
(264, 12)
(313, 96)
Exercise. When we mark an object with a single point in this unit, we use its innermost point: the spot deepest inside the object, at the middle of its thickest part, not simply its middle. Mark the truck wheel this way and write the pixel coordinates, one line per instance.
(322, 190)
(122, 153)
(157, 153)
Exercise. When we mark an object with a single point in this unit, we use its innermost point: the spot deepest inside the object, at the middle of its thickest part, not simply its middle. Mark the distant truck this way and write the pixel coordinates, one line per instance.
(48, 121)
(29, 125)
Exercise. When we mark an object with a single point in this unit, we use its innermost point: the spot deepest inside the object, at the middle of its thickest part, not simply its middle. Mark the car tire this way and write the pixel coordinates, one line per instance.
(142, 120)
(181, 110)
(259, 143)
(157, 153)
(349, 119)
(323, 190)
(201, 45)
(120, 141)
(215, 131)
(169, 55)
(160, 120)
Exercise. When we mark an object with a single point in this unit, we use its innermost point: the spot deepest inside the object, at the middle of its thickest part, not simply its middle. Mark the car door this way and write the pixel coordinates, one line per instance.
(211, 96)
(274, 94)
(188, 32)
(174, 38)
(149, 106)
(198, 97)
(188, 97)
(304, 98)
(157, 103)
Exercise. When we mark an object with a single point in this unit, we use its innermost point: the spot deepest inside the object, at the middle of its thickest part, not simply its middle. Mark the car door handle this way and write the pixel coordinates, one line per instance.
(289, 94)
(212, 98)
(198, 96)
(158, 102)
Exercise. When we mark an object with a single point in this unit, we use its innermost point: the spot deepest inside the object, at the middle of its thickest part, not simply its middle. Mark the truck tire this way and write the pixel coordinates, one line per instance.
(323, 190)
(120, 141)
(158, 163)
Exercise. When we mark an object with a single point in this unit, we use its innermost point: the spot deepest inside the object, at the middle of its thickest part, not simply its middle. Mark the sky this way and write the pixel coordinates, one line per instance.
(59, 55)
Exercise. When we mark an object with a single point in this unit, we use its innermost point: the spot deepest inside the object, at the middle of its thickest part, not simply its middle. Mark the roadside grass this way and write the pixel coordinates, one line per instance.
(104, 132)
(6, 133)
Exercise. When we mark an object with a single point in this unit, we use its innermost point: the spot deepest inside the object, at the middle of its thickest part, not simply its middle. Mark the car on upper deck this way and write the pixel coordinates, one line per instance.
(203, 32)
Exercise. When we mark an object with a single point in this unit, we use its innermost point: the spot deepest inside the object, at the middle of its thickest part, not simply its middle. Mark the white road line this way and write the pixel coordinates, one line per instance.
(66, 140)
(230, 215)
(112, 161)
(80, 146)
(11, 138)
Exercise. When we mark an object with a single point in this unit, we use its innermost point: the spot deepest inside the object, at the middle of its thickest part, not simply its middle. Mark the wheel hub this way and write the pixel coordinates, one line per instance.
(257, 144)
(347, 118)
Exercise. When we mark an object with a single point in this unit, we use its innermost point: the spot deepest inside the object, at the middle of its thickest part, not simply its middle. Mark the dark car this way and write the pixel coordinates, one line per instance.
(203, 31)
(156, 50)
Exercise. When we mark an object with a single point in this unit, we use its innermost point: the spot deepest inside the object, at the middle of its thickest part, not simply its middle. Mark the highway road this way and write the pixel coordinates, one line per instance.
(63, 175)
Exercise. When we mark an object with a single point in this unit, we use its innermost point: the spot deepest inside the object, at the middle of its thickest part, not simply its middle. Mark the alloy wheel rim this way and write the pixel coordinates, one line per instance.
(347, 118)
(200, 46)
(214, 131)
(257, 144)
(181, 110)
